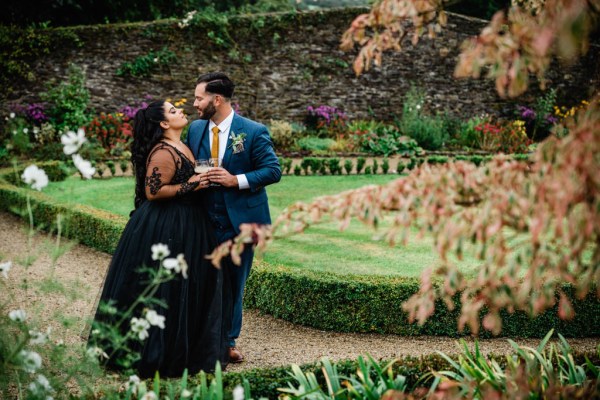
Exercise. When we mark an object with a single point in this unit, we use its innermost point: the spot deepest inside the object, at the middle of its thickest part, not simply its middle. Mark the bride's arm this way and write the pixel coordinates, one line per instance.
(161, 167)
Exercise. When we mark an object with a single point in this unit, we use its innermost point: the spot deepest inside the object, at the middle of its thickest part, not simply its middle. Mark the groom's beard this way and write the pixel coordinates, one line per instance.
(209, 111)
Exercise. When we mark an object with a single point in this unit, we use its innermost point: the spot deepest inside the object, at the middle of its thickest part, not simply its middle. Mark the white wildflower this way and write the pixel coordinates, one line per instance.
(35, 177)
(149, 396)
(133, 383)
(72, 141)
(140, 327)
(84, 166)
(5, 267)
(155, 59)
(160, 251)
(40, 387)
(25, 130)
(182, 265)
(17, 315)
(238, 393)
(12, 115)
(37, 337)
(155, 319)
(418, 106)
(186, 393)
(96, 352)
(31, 360)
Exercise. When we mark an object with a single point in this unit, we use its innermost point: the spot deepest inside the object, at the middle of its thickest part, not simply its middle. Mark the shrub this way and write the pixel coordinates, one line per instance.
(375, 166)
(437, 160)
(466, 134)
(315, 144)
(143, 66)
(68, 101)
(282, 134)
(385, 166)
(429, 132)
(297, 170)
(507, 138)
(348, 164)
(540, 119)
(327, 121)
(110, 131)
(380, 139)
(334, 166)
(360, 163)
(368, 170)
(401, 167)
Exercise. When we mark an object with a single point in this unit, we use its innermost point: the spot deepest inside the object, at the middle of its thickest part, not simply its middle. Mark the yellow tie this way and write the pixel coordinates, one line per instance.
(214, 151)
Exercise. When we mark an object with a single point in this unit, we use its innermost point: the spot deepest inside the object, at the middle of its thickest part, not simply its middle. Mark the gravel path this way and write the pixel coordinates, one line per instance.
(265, 341)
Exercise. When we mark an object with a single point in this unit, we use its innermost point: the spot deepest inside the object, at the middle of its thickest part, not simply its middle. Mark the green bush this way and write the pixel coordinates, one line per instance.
(348, 165)
(56, 170)
(68, 101)
(282, 134)
(143, 66)
(437, 160)
(352, 303)
(312, 143)
(385, 165)
(334, 166)
(297, 170)
(360, 163)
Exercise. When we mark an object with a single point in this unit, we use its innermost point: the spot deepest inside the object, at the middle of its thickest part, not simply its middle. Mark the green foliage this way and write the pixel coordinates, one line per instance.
(55, 170)
(368, 170)
(316, 144)
(375, 165)
(334, 166)
(348, 165)
(429, 132)
(360, 163)
(20, 48)
(437, 160)
(466, 135)
(380, 139)
(385, 165)
(144, 66)
(123, 164)
(282, 134)
(297, 170)
(68, 101)
(112, 167)
(358, 303)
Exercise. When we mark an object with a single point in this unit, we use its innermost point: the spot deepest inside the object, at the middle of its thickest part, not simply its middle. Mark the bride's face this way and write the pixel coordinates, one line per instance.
(175, 117)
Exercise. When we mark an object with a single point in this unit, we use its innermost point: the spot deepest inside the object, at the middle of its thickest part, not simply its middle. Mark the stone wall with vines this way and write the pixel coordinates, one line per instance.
(281, 63)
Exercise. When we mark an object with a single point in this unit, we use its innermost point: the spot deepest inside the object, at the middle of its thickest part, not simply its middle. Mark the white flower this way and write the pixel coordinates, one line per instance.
(36, 130)
(186, 393)
(40, 387)
(5, 267)
(133, 383)
(96, 352)
(72, 141)
(149, 396)
(25, 130)
(35, 177)
(85, 167)
(238, 393)
(12, 115)
(155, 59)
(154, 319)
(31, 360)
(140, 327)
(182, 265)
(418, 106)
(160, 251)
(37, 337)
(17, 315)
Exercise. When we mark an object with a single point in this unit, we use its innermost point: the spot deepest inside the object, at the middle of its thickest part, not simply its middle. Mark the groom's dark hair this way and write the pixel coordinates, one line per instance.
(217, 83)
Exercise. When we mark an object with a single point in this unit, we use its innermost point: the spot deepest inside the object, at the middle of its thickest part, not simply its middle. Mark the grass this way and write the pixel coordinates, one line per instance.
(321, 248)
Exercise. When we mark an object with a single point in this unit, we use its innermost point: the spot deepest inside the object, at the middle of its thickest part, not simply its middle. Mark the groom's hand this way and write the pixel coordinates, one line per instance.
(222, 177)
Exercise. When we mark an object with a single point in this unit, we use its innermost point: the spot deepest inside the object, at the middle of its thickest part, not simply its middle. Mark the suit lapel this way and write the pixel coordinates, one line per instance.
(203, 149)
(236, 129)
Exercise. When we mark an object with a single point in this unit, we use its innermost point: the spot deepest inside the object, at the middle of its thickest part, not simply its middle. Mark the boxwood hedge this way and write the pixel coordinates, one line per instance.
(343, 303)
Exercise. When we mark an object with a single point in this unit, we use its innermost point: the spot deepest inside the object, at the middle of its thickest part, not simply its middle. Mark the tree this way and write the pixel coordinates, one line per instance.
(533, 226)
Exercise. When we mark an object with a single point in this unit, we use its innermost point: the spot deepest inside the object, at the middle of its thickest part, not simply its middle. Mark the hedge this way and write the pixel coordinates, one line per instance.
(342, 303)
(356, 303)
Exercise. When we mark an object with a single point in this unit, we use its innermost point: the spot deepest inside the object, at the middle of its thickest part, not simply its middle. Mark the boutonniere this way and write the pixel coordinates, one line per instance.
(237, 142)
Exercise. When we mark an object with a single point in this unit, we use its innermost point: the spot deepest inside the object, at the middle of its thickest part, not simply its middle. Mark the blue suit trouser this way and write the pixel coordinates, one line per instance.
(239, 274)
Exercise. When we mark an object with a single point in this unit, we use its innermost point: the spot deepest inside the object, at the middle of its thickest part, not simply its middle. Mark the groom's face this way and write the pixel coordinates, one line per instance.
(204, 102)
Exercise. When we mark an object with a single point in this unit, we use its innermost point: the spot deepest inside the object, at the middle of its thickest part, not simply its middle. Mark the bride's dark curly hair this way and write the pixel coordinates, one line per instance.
(147, 132)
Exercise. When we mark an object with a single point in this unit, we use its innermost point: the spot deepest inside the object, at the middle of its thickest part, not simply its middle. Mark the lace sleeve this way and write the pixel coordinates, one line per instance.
(161, 168)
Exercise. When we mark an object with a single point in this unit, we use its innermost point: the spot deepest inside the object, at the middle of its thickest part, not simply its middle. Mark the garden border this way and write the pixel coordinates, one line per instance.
(342, 303)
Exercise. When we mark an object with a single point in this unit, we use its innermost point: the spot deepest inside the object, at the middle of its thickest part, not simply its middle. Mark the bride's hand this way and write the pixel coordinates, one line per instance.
(201, 179)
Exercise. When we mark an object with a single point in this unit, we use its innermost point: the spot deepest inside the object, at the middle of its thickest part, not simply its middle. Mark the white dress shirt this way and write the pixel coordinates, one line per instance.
(224, 128)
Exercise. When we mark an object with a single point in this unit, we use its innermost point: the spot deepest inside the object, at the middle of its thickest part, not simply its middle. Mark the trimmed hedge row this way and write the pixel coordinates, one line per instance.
(342, 303)
(351, 303)
(95, 228)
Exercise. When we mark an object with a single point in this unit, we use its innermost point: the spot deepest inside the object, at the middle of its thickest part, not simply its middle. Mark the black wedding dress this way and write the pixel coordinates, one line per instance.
(195, 334)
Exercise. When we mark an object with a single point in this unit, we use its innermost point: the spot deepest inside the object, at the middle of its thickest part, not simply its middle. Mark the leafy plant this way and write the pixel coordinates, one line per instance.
(348, 165)
(315, 144)
(68, 101)
(385, 166)
(145, 65)
(282, 133)
(360, 163)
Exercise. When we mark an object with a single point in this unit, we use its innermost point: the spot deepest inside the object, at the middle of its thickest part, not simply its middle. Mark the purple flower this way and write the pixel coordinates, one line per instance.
(35, 112)
(527, 112)
(551, 119)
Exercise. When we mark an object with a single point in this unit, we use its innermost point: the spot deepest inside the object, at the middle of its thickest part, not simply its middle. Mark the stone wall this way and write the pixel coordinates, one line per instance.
(287, 62)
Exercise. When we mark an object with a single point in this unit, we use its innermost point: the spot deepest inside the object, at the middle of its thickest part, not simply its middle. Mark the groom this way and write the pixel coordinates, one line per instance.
(247, 163)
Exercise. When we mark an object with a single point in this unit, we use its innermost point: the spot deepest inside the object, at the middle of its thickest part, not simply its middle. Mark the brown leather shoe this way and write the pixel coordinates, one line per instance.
(235, 356)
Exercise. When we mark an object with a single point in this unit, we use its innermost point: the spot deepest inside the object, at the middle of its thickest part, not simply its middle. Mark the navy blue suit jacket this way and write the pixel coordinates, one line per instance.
(258, 162)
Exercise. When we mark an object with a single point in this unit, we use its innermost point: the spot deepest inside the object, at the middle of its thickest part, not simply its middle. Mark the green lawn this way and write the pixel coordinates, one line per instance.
(321, 248)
